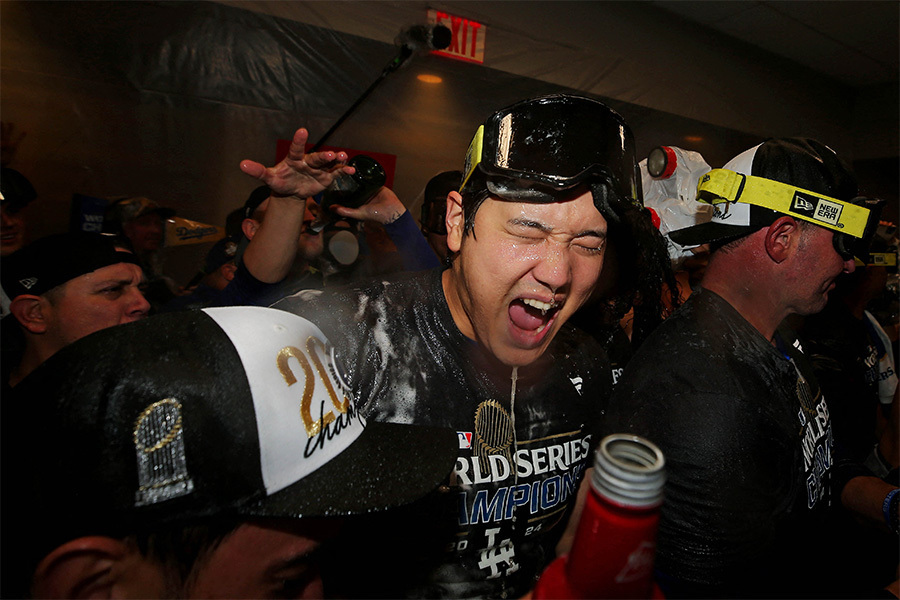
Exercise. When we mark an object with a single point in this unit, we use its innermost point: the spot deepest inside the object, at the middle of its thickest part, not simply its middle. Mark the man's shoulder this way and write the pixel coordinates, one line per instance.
(704, 345)
(358, 311)
(394, 288)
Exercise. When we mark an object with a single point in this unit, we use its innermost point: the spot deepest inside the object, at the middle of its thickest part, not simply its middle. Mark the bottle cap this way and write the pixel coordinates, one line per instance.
(629, 470)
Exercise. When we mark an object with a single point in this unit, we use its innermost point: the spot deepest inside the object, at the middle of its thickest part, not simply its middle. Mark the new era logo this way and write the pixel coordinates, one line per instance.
(818, 209)
(802, 205)
(828, 212)
(28, 282)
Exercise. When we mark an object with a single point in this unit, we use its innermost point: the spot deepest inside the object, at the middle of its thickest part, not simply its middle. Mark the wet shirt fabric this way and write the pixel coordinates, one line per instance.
(525, 439)
(747, 440)
(845, 354)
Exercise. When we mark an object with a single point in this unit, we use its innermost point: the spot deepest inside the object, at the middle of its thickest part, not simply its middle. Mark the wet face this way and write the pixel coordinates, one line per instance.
(100, 299)
(12, 230)
(522, 272)
(260, 560)
(816, 265)
(145, 232)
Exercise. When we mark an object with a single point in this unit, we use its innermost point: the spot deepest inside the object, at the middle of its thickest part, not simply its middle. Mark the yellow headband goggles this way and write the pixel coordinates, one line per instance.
(722, 186)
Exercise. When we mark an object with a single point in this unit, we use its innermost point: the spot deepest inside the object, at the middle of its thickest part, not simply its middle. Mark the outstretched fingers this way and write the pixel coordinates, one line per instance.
(300, 174)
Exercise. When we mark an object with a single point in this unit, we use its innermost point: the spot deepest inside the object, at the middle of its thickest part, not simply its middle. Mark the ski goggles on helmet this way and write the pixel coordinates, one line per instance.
(853, 222)
(538, 148)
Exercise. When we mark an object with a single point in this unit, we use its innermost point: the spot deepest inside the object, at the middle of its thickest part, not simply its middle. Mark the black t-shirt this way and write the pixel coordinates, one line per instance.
(525, 439)
(845, 358)
(747, 440)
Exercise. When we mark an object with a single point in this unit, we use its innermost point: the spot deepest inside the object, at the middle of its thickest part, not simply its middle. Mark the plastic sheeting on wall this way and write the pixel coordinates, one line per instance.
(164, 99)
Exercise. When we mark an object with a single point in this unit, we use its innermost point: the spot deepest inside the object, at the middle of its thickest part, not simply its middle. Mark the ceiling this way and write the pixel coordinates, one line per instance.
(855, 42)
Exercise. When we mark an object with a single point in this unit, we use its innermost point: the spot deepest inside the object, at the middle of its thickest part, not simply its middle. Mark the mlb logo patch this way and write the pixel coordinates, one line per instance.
(465, 439)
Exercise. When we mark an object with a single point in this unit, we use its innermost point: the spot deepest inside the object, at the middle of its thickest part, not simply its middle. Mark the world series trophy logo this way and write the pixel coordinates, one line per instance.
(159, 444)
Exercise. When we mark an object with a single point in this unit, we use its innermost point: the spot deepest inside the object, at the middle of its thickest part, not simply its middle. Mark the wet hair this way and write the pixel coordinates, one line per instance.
(473, 196)
(644, 273)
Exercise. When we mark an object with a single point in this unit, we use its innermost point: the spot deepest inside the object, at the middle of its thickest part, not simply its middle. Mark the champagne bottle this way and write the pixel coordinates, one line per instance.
(615, 542)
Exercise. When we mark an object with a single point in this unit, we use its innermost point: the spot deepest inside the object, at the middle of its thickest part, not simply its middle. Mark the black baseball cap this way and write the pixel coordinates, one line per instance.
(799, 177)
(123, 210)
(257, 197)
(234, 412)
(222, 252)
(15, 189)
(53, 260)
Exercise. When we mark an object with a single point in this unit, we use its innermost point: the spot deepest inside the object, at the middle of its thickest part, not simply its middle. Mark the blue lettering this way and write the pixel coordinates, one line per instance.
(550, 493)
(519, 496)
(482, 512)
(463, 511)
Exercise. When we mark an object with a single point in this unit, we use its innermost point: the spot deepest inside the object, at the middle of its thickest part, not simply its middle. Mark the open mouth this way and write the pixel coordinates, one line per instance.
(9, 237)
(531, 316)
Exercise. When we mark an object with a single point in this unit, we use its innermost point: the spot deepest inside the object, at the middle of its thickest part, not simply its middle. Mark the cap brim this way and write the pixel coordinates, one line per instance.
(708, 233)
(389, 465)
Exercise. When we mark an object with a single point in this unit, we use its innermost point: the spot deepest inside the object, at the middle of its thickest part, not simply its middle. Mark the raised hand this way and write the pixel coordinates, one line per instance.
(300, 175)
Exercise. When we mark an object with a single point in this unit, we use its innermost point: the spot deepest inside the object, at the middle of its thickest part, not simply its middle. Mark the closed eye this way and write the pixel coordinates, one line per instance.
(590, 244)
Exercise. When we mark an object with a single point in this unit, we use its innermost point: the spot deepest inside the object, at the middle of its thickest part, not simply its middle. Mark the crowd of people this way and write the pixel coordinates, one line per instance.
(348, 403)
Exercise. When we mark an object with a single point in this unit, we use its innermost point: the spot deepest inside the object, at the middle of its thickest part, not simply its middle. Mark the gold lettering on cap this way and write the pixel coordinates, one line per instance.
(311, 345)
(312, 426)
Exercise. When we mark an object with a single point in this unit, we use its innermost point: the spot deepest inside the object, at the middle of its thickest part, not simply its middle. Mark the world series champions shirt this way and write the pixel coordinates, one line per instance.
(525, 438)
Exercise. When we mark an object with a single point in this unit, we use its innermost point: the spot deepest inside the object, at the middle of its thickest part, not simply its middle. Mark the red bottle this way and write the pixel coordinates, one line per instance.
(615, 543)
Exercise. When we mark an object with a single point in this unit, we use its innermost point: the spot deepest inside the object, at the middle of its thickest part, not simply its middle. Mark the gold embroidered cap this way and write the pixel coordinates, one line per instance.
(183, 416)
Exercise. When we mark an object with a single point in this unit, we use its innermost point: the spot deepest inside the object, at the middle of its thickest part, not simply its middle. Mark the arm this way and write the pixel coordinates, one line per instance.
(568, 536)
(272, 250)
(865, 497)
(386, 208)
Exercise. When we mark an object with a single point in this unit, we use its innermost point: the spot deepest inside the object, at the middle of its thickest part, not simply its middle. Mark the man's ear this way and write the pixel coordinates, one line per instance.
(81, 568)
(249, 227)
(29, 311)
(781, 238)
(455, 220)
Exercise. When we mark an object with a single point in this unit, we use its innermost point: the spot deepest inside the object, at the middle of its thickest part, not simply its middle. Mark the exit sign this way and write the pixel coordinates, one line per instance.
(467, 41)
